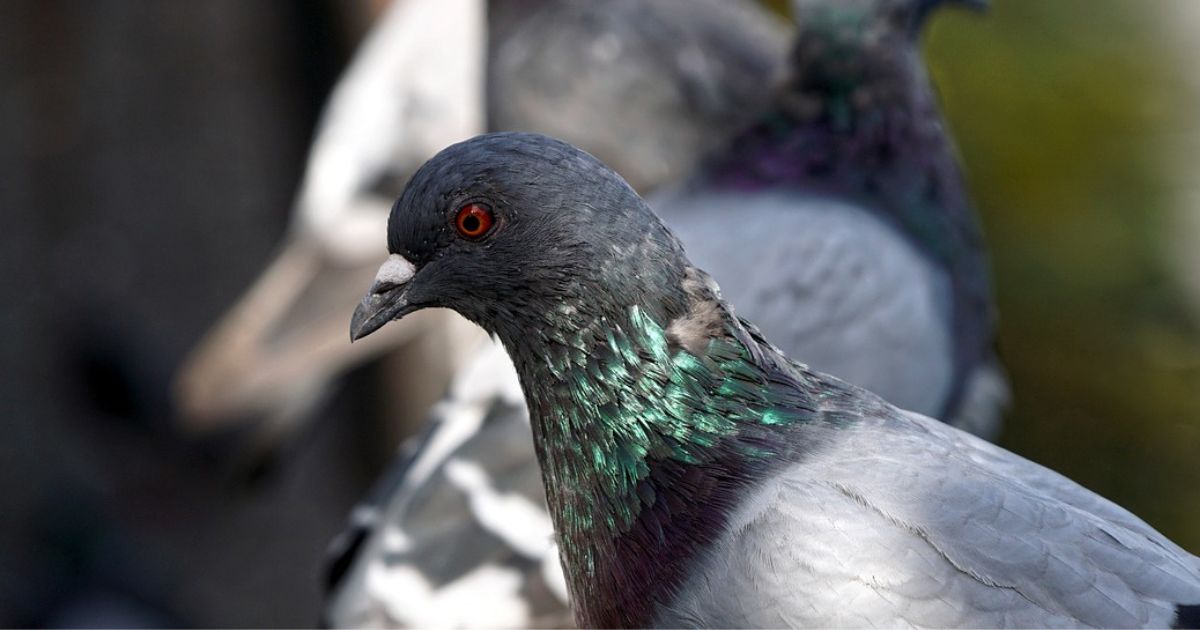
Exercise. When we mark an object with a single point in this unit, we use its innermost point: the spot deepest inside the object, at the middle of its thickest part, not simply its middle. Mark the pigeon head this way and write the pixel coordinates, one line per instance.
(857, 55)
(905, 17)
(518, 232)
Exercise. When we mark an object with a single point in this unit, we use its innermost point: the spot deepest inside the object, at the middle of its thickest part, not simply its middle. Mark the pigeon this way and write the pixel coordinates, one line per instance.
(650, 85)
(852, 169)
(415, 85)
(456, 532)
(893, 295)
(679, 74)
(696, 476)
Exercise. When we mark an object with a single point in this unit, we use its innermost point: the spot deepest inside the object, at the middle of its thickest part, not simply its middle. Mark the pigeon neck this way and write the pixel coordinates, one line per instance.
(648, 432)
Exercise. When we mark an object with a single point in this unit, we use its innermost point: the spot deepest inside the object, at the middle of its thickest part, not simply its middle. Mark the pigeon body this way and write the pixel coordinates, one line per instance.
(695, 475)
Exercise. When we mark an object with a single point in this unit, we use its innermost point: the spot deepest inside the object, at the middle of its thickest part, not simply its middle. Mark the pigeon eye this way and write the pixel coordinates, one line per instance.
(474, 221)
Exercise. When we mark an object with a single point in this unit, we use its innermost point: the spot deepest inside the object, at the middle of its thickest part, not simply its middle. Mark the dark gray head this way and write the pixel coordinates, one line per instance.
(509, 227)
(905, 17)
(846, 44)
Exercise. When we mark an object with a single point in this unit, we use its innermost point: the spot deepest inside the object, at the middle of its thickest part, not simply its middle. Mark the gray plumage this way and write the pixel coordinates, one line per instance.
(671, 79)
(905, 521)
(828, 281)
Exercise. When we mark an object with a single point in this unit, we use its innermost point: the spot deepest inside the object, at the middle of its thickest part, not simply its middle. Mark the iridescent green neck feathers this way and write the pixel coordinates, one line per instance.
(646, 430)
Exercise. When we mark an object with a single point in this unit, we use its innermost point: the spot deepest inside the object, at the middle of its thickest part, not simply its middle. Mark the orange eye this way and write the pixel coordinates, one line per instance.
(474, 220)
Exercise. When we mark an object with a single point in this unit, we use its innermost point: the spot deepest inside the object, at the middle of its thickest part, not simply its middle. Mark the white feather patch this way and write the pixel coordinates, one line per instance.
(395, 271)
(522, 524)
(704, 319)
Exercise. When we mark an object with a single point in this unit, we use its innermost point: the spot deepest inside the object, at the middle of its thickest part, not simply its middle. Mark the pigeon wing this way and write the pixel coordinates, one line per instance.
(460, 536)
(904, 521)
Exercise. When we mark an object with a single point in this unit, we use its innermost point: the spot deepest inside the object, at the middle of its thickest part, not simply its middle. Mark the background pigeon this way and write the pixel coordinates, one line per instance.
(696, 476)
(839, 222)
(415, 85)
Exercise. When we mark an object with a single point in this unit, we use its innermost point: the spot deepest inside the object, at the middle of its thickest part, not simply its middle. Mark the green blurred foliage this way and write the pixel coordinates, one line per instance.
(1067, 114)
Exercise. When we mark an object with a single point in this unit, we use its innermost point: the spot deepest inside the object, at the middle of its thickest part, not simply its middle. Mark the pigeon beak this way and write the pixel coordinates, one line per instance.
(386, 300)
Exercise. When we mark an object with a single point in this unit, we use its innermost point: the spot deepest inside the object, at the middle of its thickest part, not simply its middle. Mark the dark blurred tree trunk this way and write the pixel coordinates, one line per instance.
(148, 155)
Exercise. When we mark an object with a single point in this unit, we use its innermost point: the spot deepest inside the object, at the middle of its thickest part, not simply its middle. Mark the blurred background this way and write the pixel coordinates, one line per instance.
(149, 154)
